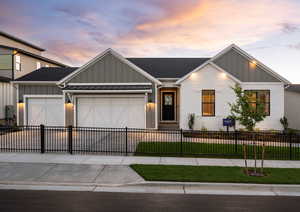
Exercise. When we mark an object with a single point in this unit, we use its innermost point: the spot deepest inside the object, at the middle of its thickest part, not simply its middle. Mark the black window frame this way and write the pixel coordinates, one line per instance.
(268, 102)
(213, 103)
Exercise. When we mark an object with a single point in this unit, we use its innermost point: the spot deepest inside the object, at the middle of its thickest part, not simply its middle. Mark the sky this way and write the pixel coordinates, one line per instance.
(74, 31)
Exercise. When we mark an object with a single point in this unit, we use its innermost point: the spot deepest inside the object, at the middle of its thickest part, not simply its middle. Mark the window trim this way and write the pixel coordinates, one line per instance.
(268, 102)
(18, 63)
(213, 103)
(38, 65)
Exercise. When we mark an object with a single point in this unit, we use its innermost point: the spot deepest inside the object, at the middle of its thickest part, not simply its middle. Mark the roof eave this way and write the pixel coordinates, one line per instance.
(21, 41)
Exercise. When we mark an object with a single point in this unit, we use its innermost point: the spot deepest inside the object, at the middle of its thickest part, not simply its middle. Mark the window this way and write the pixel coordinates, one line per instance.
(260, 96)
(18, 63)
(5, 62)
(38, 65)
(208, 102)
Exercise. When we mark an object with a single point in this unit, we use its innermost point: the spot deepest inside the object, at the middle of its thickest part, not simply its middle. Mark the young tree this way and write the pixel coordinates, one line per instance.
(242, 110)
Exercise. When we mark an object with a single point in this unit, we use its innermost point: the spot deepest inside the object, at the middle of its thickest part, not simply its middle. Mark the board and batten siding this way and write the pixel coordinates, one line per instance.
(34, 90)
(6, 97)
(109, 70)
(240, 67)
(291, 108)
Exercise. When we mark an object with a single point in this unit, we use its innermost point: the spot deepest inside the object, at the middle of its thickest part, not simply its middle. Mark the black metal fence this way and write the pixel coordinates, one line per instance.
(127, 141)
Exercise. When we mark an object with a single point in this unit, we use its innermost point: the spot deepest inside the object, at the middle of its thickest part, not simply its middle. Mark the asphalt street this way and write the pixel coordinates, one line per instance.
(46, 201)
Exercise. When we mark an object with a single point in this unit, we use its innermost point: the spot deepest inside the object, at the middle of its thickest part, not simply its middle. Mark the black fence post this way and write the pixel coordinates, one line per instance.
(181, 142)
(70, 139)
(235, 141)
(42, 137)
(126, 140)
(290, 140)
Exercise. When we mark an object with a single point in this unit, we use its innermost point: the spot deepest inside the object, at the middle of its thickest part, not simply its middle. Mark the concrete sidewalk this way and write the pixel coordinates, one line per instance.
(117, 178)
(127, 160)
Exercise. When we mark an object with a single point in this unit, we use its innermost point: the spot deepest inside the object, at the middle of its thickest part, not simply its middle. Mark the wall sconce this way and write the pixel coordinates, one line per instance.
(253, 63)
(193, 76)
(223, 75)
(69, 103)
(150, 99)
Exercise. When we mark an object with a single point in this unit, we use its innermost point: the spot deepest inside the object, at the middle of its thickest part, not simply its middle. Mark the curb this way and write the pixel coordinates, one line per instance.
(161, 187)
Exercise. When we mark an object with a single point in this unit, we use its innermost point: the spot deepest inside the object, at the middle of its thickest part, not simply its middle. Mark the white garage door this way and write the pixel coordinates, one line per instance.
(47, 111)
(113, 112)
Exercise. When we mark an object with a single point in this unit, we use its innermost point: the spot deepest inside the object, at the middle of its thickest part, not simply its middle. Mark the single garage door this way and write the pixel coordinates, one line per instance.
(47, 111)
(115, 112)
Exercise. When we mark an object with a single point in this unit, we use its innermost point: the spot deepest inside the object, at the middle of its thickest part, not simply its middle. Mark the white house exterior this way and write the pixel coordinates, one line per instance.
(113, 91)
(210, 77)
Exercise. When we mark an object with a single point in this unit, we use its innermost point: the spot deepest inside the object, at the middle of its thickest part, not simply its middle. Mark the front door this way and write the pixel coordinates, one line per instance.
(168, 108)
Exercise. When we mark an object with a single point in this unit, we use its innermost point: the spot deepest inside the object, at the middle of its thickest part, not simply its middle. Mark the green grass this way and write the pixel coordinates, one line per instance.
(215, 174)
(193, 149)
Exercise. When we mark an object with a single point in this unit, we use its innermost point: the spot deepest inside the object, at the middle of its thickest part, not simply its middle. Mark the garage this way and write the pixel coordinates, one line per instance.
(45, 110)
(113, 112)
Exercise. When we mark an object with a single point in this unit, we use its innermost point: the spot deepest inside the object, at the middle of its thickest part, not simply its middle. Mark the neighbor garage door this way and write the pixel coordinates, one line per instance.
(47, 111)
(111, 112)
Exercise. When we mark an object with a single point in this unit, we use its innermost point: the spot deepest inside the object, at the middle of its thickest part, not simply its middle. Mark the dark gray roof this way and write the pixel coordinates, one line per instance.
(47, 74)
(294, 88)
(168, 67)
(20, 41)
(4, 79)
(34, 55)
(157, 67)
(108, 87)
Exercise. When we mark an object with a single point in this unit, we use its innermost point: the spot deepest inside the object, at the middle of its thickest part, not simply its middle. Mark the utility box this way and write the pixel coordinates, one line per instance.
(9, 112)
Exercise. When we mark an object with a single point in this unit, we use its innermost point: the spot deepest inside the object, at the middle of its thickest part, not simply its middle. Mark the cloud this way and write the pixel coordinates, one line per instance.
(70, 52)
(211, 25)
(289, 27)
(74, 32)
(294, 46)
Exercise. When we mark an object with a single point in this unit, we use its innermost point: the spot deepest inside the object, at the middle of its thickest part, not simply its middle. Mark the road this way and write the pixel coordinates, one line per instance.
(46, 201)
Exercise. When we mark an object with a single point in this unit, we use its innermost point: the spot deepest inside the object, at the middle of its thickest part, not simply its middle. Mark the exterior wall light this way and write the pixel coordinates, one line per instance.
(193, 76)
(253, 64)
(150, 99)
(224, 75)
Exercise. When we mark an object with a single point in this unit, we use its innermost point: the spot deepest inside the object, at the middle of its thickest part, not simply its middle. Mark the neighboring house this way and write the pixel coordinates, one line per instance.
(292, 105)
(17, 58)
(113, 91)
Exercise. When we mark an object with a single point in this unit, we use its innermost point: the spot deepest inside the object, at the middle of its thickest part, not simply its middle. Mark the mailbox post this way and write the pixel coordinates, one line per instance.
(228, 122)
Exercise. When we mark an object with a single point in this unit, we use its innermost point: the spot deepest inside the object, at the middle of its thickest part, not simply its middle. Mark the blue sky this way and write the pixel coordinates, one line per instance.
(75, 31)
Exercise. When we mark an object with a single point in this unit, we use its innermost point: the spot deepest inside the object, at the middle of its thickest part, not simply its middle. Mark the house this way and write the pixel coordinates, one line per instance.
(292, 105)
(17, 58)
(113, 91)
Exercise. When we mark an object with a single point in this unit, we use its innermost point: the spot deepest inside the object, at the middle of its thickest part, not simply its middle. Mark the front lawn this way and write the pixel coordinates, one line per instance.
(214, 150)
(218, 174)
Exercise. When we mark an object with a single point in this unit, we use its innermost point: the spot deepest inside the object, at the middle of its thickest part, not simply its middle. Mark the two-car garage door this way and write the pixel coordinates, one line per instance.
(111, 111)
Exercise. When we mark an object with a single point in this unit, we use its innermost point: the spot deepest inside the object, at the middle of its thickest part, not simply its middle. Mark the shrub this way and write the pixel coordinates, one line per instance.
(191, 121)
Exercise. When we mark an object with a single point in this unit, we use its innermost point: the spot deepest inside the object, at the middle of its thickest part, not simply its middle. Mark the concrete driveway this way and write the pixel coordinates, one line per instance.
(34, 173)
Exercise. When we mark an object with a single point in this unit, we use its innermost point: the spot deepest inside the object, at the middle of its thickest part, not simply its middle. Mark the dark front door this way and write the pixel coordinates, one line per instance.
(168, 108)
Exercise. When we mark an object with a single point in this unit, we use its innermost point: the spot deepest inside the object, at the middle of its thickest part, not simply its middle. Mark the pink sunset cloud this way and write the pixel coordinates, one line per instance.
(211, 25)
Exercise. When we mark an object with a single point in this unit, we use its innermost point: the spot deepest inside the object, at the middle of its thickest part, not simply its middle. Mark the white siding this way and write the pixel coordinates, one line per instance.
(6, 97)
(210, 78)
